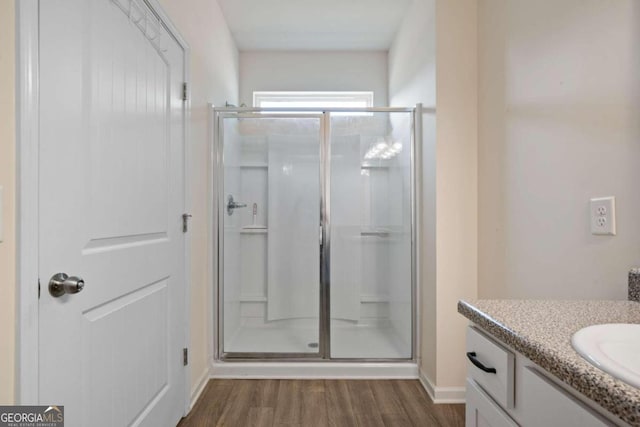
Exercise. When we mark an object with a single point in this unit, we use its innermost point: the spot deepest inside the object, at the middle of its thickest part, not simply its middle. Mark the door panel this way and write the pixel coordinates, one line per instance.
(141, 364)
(271, 262)
(129, 116)
(111, 199)
(371, 244)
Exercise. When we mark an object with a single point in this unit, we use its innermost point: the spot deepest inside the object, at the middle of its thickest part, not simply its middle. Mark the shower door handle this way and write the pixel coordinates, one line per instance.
(232, 204)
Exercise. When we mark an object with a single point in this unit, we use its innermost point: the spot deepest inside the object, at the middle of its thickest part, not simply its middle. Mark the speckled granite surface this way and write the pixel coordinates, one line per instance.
(542, 330)
(634, 284)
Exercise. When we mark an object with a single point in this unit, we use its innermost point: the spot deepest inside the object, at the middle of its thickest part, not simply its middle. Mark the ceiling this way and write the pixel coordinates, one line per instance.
(314, 25)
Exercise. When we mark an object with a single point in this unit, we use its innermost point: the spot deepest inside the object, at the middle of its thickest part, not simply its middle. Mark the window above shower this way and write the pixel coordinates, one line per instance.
(319, 100)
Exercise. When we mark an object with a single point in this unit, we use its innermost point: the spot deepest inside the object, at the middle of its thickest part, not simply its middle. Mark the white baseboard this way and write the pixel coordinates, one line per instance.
(426, 384)
(199, 388)
(442, 394)
(314, 370)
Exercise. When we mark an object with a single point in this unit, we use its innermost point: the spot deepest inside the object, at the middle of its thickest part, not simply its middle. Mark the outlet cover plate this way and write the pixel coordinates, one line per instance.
(603, 216)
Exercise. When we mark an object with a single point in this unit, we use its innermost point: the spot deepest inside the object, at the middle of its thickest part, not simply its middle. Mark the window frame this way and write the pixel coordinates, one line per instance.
(313, 96)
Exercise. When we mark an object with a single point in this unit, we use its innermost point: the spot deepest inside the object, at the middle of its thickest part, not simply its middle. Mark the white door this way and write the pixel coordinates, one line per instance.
(111, 180)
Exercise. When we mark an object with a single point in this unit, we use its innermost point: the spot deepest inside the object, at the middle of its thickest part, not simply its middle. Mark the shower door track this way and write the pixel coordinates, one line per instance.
(324, 351)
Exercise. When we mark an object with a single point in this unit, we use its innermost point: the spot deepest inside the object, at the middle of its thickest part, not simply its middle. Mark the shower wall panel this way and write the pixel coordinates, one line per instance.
(293, 271)
(346, 210)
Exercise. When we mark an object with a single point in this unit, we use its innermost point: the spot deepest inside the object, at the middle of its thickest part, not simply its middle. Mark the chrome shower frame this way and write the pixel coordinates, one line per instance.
(219, 211)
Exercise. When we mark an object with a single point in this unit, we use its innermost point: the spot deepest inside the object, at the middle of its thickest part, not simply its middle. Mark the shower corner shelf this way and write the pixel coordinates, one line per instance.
(254, 230)
(368, 166)
(254, 165)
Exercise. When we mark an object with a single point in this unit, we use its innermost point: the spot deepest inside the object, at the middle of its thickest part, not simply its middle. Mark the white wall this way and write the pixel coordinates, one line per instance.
(214, 79)
(456, 180)
(7, 180)
(559, 124)
(412, 80)
(433, 61)
(313, 71)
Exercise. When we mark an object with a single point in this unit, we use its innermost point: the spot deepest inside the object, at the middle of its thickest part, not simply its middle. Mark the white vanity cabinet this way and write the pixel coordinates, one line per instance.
(506, 389)
(482, 410)
(490, 382)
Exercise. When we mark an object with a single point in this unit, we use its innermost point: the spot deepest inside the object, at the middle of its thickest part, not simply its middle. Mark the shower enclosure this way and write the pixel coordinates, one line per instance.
(314, 233)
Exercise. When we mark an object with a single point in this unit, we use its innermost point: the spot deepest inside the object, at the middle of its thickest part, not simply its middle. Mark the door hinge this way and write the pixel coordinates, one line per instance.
(185, 222)
(185, 356)
(38, 288)
(184, 91)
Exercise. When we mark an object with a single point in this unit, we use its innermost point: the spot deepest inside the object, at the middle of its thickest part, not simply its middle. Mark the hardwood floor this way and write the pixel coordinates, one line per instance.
(305, 403)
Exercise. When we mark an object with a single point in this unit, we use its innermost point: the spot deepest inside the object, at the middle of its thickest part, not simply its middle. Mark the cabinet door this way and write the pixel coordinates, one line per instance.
(499, 383)
(545, 404)
(482, 411)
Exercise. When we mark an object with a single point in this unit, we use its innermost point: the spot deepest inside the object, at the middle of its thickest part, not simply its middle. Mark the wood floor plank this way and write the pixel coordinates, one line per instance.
(364, 404)
(396, 420)
(260, 417)
(312, 385)
(314, 404)
(387, 400)
(236, 411)
(339, 409)
(210, 405)
(265, 393)
(418, 409)
(450, 415)
(289, 405)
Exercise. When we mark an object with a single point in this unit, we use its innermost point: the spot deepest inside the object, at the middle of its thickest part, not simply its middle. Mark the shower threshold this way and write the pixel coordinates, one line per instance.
(315, 370)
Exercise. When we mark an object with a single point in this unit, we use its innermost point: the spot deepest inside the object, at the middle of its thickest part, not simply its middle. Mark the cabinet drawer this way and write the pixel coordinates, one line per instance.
(481, 411)
(484, 354)
(545, 404)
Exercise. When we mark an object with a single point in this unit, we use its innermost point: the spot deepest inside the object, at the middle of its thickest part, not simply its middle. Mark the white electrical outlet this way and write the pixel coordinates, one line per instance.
(603, 216)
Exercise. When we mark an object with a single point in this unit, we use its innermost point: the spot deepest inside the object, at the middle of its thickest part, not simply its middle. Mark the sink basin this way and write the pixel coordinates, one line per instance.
(614, 348)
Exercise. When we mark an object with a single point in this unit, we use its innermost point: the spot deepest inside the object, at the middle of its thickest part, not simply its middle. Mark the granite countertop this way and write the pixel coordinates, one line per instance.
(542, 330)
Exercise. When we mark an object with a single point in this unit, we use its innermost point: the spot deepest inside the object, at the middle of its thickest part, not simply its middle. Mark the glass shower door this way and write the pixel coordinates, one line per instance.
(371, 236)
(269, 207)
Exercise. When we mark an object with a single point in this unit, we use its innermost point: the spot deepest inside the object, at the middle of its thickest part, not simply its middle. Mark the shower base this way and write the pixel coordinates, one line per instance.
(348, 341)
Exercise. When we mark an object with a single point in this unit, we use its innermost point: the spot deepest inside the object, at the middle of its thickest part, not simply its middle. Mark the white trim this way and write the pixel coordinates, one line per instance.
(154, 5)
(426, 384)
(417, 233)
(442, 394)
(212, 265)
(314, 370)
(27, 140)
(200, 385)
(188, 209)
(27, 160)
